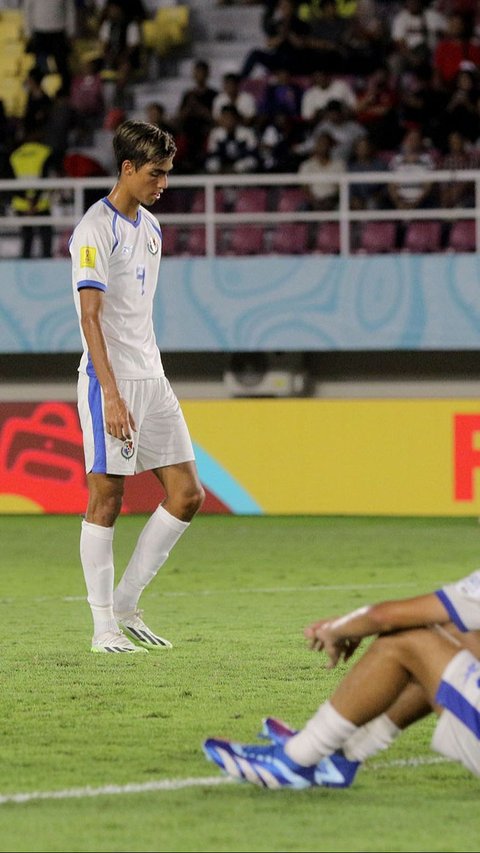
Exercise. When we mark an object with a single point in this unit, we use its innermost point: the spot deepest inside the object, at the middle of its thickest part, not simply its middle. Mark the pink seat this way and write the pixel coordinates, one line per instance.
(376, 237)
(291, 198)
(170, 241)
(246, 240)
(462, 236)
(423, 236)
(327, 238)
(198, 202)
(251, 200)
(289, 239)
(195, 241)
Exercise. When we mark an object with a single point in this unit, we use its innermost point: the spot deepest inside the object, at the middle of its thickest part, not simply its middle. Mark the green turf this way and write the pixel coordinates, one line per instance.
(233, 598)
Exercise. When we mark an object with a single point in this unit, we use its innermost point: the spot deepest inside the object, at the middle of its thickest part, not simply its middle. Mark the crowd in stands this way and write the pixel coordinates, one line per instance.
(331, 86)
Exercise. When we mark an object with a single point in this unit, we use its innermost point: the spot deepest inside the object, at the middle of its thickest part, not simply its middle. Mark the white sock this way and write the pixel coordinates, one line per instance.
(96, 554)
(325, 732)
(160, 534)
(369, 739)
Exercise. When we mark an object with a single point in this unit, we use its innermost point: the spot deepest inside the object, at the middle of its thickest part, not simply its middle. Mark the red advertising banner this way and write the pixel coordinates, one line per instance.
(42, 465)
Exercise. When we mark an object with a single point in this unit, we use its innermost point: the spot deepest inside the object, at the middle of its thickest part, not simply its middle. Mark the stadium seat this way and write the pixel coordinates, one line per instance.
(423, 236)
(289, 239)
(327, 238)
(195, 241)
(377, 237)
(198, 202)
(291, 199)
(462, 236)
(245, 240)
(170, 239)
(251, 200)
(167, 30)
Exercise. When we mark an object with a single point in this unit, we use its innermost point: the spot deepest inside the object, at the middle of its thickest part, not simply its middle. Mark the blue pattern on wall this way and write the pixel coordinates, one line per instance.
(383, 302)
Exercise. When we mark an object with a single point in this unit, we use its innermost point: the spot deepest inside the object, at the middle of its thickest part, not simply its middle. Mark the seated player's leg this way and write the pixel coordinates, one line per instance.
(372, 685)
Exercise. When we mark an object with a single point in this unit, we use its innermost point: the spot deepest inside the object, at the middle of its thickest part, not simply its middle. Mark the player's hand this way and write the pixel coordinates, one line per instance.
(119, 420)
(321, 636)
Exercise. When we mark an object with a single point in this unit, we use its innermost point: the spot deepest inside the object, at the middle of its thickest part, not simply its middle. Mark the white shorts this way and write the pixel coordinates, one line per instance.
(457, 733)
(161, 438)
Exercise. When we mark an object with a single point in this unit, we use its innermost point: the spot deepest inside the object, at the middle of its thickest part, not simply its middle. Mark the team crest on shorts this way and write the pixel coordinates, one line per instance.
(152, 245)
(127, 448)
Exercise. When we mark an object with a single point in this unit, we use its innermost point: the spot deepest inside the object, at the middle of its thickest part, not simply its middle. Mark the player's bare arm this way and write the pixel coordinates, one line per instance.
(340, 636)
(119, 421)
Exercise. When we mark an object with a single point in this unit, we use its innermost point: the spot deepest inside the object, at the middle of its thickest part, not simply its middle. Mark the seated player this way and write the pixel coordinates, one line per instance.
(416, 664)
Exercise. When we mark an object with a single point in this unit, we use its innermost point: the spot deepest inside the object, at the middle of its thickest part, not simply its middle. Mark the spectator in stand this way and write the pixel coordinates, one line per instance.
(277, 145)
(134, 10)
(324, 89)
(415, 31)
(232, 147)
(232, 94)
(368, 196)
(343, 129)
(87, 99)
(460, 155)
(39, 104)
(461, 112)
(59, 126)
(413, 159)
(155, 113)
(365, 40)
(377, 109)
(194, 118)
(121, 40)
(458, 45)
(322, 195)
(49, 27)
(325, 45)
(285, 41)
(32, 159)
(283, 96)
(422, 104)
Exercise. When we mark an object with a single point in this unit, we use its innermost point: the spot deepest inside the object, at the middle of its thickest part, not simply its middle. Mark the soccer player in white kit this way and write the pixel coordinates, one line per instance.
(426, 657)
(130, 417)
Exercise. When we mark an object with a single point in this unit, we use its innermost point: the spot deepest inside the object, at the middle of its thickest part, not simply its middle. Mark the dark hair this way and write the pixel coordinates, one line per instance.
(142, 142)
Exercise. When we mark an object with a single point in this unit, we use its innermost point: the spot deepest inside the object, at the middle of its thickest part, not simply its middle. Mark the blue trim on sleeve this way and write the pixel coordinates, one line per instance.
(97, 285)
(450, 698)
(441, 594)
(96, 411)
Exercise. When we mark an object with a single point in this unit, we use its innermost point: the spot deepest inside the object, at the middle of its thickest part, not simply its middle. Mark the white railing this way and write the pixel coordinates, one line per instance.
(66, 214)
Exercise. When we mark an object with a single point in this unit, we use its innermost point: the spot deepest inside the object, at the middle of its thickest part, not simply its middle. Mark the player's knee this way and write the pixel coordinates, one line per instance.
(190, 501)
(402, 645)
(194, 500)
(105, 511)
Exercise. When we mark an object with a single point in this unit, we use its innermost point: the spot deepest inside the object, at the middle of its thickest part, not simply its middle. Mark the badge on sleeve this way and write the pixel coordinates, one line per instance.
(152, 245)
(88, 256)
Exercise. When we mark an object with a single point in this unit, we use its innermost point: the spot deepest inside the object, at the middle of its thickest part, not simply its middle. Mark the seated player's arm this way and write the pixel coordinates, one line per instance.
(339, 637)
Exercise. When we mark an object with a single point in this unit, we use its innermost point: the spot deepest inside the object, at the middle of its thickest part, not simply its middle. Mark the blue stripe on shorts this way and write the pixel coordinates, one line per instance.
(450, 698)
(95, 405)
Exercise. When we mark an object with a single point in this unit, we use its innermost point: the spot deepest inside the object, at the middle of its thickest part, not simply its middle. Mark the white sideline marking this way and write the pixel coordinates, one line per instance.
(178, 784)
(246, 590)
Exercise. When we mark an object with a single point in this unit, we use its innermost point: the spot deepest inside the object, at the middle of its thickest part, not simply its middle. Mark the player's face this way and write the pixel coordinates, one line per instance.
(148, 183)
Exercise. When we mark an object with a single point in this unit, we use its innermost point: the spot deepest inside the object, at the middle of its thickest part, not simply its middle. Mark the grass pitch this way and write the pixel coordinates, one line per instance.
(107, 749)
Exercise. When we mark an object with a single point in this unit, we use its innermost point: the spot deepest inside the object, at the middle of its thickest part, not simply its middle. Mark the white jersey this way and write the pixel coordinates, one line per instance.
(120, 257)
(462, 601)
